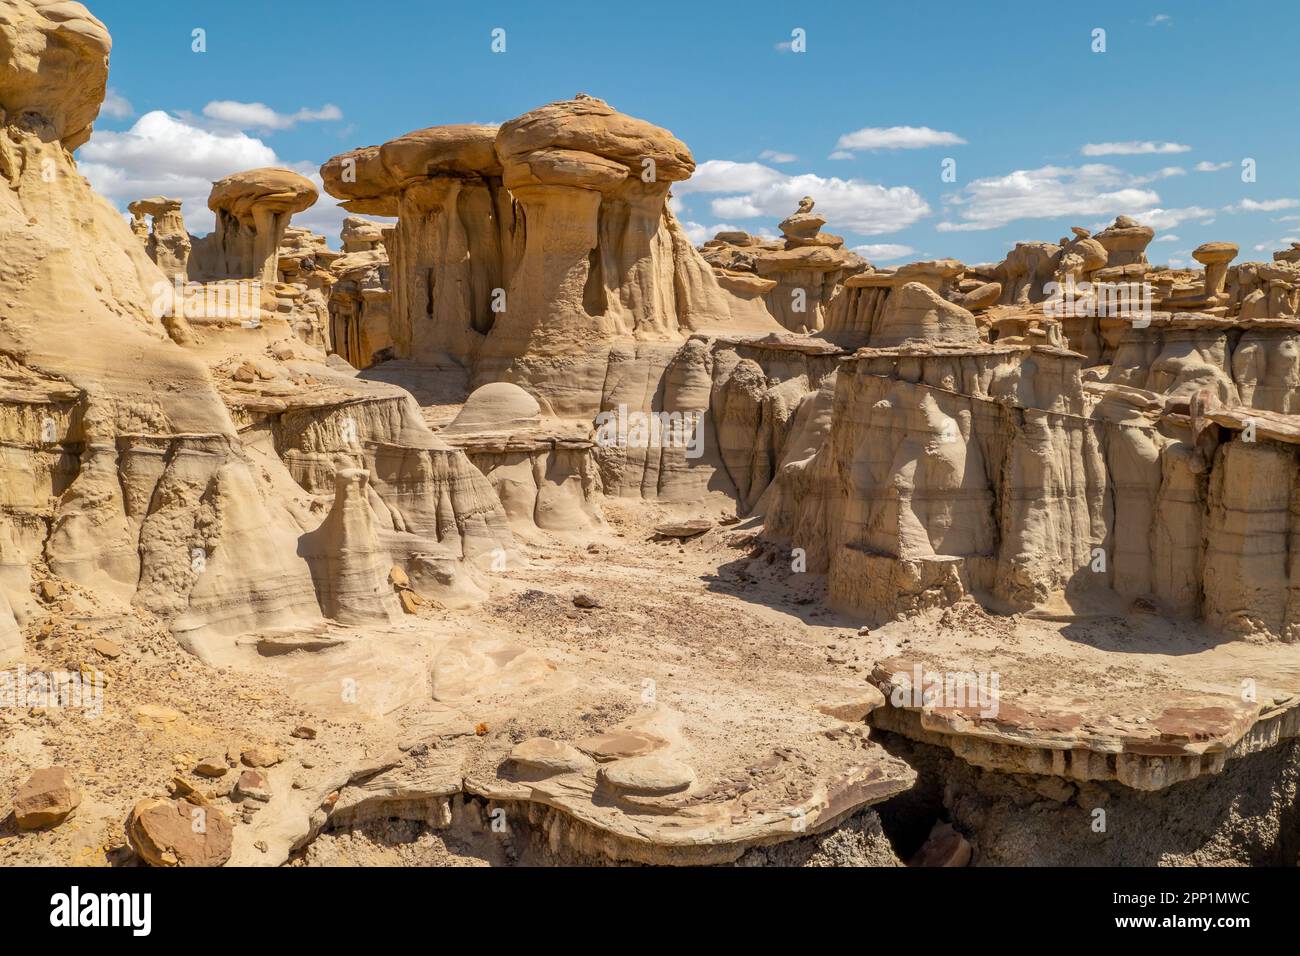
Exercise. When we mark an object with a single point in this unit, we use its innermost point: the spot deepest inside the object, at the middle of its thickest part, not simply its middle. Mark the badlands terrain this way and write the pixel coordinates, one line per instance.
(522, 531)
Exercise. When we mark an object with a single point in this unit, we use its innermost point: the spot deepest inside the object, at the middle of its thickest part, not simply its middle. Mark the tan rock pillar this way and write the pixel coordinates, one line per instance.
(1215, 256)
(253, 210)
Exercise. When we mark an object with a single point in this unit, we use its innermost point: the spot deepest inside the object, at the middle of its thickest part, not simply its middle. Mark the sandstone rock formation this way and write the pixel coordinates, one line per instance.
(253, 210)
(543, 470)
(55, 69)
(164, 235)
(796, 277)
(368, 524)
(544, 254)
(360, 303)
(305, 279)
(137, 482)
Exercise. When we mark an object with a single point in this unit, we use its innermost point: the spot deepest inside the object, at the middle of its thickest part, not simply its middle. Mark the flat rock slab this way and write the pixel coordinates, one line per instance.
(690, 528)
(1057, 699)
(654, 774)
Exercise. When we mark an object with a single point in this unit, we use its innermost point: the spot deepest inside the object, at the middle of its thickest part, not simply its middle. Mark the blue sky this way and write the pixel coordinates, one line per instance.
(1051, 133)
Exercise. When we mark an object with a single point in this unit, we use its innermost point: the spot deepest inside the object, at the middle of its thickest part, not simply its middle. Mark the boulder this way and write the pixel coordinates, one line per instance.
(47, 799)
(178, 833)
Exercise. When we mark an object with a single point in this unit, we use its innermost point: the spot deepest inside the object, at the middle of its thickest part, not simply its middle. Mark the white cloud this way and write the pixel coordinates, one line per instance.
(1132, 147)
(116, 105)
(1169, 237)
(773, 156)
(1283, 243)
(1049, 192)
(897, 137)
(1160, 19)
(163, 155)
(841, 154)
(1205, 166)
(1267, 205)
(883, 251)
(699, 233)
(753, 190)
(1158, 218)
(722, 175)
(260, 116)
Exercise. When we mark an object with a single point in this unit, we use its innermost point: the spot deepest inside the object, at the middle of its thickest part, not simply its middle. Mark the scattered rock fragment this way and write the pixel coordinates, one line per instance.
(211, 767)
(688, 528)
(855, 710)
(177, 833)
(619, 744)
(266, 756)
(184, 790)
(252, 785)
(106, 648)
(47, 799)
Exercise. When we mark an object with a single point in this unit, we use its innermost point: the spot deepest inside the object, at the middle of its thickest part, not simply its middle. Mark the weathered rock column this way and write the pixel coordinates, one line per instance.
(253, 210)
(165, 239)
(449, 253)
(1215, 256)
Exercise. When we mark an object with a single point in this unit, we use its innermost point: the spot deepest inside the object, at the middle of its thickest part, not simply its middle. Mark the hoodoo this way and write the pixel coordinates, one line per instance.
(511, 526)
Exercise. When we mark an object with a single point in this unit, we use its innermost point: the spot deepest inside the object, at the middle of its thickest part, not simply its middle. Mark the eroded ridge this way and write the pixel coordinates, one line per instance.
(522, 523)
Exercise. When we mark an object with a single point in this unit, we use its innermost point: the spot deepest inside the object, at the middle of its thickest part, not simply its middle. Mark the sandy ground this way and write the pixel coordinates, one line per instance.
(741, 658)
(715, 632)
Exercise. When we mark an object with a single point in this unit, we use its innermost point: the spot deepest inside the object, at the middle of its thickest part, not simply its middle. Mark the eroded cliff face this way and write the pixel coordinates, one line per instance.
(794, 279)
(125, 471)
(944, 470)
(544, 254)
(931, 439)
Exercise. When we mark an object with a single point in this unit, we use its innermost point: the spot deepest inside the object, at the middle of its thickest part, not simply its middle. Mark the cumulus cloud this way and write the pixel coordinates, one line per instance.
(1132, 147)
(1049, 192)
(164, 155)
(1169, 237)
(1205, 166)
(1158, 218)
(259, 116)
(752, 190)
(775, 156)
(883, 251)
(699, 233)
(841, 154)
(116, 105)
(896, 137)
(723, 175)
(1266, 205)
